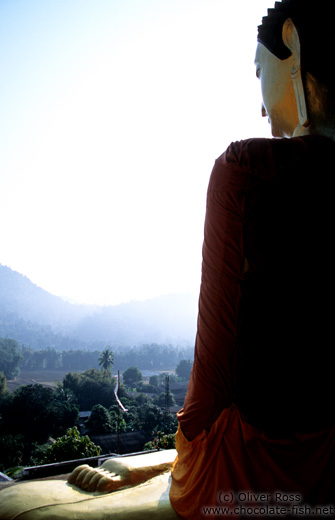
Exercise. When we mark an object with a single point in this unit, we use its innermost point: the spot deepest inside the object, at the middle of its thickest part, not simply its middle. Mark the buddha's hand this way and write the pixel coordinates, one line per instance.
(119, 472)
(97, 479)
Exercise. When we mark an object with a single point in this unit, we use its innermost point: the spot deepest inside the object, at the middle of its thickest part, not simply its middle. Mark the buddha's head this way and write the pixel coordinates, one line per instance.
(295, 64)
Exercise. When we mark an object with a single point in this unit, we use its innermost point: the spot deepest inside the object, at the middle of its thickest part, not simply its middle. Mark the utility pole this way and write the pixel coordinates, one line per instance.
(167, 398)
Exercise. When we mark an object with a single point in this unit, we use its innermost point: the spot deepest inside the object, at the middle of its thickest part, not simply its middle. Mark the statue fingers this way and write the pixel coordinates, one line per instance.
(79, 471)
(88, 477)
(95, 479)
(110, 482)
(92, 484)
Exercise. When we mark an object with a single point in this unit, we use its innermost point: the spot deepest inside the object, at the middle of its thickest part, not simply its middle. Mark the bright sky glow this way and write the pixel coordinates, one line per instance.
(112, 113)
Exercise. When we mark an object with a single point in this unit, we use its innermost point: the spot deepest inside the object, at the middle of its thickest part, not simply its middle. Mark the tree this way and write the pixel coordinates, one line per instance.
(29, 413)
(64, 394)
(3, 384)
(183, 369)
(70, 447)
(132, 375)
(106, 360)
(35, 412)
(91, 387)
(154, 380)
(162, 441)
(10, 357)
(99, 421)
(63, 415)
(150, 417)
(71, 382)
(11, 450)
(166, 399)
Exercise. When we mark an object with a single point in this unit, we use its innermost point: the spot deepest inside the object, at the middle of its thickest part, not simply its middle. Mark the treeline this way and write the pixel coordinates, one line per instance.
(146, 357)
(153, 356)
(51, 359)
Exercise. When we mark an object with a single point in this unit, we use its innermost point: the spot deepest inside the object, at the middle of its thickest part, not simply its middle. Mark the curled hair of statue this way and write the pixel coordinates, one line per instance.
(314, 22)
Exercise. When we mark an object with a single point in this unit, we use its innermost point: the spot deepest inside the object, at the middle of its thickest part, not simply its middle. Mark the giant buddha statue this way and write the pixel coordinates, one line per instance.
(256, 435)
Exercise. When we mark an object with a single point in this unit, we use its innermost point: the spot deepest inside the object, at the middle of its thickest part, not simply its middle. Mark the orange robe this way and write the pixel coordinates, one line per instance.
(258, 413)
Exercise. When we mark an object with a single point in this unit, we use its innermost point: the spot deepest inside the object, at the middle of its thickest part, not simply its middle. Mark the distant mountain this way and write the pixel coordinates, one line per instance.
(169, 319)
(37, 318)
(20, 296)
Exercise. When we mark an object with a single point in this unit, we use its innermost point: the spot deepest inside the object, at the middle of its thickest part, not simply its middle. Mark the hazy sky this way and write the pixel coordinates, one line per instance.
(112, 113)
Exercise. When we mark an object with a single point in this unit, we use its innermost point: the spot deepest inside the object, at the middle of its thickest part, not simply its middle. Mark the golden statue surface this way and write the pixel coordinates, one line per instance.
(122, 488)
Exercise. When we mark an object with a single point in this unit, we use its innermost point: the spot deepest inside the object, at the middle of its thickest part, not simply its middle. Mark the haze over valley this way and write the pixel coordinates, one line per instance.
(38, 319)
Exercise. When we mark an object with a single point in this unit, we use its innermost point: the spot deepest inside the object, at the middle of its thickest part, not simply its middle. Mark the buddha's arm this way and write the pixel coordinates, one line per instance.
(116, 473)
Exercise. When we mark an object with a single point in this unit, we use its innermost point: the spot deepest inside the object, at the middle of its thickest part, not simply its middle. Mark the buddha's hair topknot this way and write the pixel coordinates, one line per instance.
(315, 24)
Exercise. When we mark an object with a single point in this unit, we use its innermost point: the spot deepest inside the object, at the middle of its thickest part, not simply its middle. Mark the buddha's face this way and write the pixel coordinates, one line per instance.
(279, 102)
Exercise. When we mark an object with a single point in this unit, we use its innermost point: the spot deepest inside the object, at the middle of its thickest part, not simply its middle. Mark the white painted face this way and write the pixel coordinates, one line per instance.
(279, 101)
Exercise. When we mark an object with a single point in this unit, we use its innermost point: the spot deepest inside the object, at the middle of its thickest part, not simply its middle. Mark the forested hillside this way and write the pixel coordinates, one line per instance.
(20, 297)
(37, 319)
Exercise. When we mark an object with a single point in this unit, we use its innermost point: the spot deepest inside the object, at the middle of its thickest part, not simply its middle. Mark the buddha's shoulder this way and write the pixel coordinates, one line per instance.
(244, 158)
(251, 151)
(264, 157)
(261, 149)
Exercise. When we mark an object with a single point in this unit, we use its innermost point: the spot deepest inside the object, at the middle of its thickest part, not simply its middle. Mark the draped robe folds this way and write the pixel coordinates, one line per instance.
(259, 413)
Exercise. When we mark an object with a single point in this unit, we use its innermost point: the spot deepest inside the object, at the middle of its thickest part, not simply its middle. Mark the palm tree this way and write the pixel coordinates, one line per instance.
(106, 360)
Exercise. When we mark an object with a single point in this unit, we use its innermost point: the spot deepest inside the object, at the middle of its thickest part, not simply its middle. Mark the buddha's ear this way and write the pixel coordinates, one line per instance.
(292, 41)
